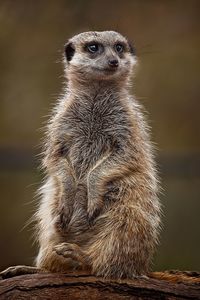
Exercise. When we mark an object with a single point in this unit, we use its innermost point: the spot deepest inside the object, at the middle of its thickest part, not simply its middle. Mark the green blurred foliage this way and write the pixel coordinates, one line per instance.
(167, 38)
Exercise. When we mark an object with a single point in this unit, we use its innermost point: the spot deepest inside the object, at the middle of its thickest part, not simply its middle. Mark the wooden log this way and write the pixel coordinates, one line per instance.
(83, 286)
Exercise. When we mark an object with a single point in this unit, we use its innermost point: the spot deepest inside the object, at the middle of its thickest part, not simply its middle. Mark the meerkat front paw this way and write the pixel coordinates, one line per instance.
(72, 253)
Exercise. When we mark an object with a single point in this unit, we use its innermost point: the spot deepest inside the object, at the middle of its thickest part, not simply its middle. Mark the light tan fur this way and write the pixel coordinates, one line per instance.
(99, 209)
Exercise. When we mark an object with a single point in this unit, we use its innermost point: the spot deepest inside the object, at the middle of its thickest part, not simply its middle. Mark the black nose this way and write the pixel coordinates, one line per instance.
(113, 63)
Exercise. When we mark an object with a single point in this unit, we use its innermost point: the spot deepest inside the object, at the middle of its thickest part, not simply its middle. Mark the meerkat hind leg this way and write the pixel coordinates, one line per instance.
(20, 270)
(73, 253)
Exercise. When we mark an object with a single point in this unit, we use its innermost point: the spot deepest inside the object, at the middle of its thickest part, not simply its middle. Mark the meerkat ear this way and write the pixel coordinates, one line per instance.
(132, 49)
(69, 51)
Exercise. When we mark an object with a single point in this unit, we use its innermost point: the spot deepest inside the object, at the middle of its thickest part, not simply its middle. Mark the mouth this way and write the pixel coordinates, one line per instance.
(106, 70)
(110, 70)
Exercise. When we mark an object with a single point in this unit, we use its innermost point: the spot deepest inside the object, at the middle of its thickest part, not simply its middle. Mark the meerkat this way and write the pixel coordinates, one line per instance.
(99, 209)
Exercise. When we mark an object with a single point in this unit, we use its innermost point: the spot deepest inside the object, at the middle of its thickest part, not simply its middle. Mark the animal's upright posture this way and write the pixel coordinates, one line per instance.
(99, 209)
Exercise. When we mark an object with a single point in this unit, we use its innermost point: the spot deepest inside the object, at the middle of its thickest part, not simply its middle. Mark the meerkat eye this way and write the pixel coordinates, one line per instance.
(92, 48)
(119, 48)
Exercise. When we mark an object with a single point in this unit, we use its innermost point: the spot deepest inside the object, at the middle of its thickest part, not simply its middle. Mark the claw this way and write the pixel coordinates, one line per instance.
(19, 270)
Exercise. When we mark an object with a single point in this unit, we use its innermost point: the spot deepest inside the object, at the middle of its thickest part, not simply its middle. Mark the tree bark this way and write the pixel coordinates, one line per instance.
(71, 286)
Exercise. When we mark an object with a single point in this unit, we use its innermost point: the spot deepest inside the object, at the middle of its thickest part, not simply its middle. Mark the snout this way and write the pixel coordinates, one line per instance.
(113, 63)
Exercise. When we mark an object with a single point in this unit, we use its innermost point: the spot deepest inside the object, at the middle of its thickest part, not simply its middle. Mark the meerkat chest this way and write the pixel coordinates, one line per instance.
(97, 121)
(95, 127)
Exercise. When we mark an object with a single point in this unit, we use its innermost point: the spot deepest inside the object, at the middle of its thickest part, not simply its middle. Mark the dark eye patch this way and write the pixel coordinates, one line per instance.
(119, 48)
(93, 47)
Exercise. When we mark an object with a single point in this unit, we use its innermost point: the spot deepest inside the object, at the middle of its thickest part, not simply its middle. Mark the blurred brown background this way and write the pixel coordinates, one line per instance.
(167, 37)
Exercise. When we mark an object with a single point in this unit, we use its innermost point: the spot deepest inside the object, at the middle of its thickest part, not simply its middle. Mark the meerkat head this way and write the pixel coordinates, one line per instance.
(99, 56)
